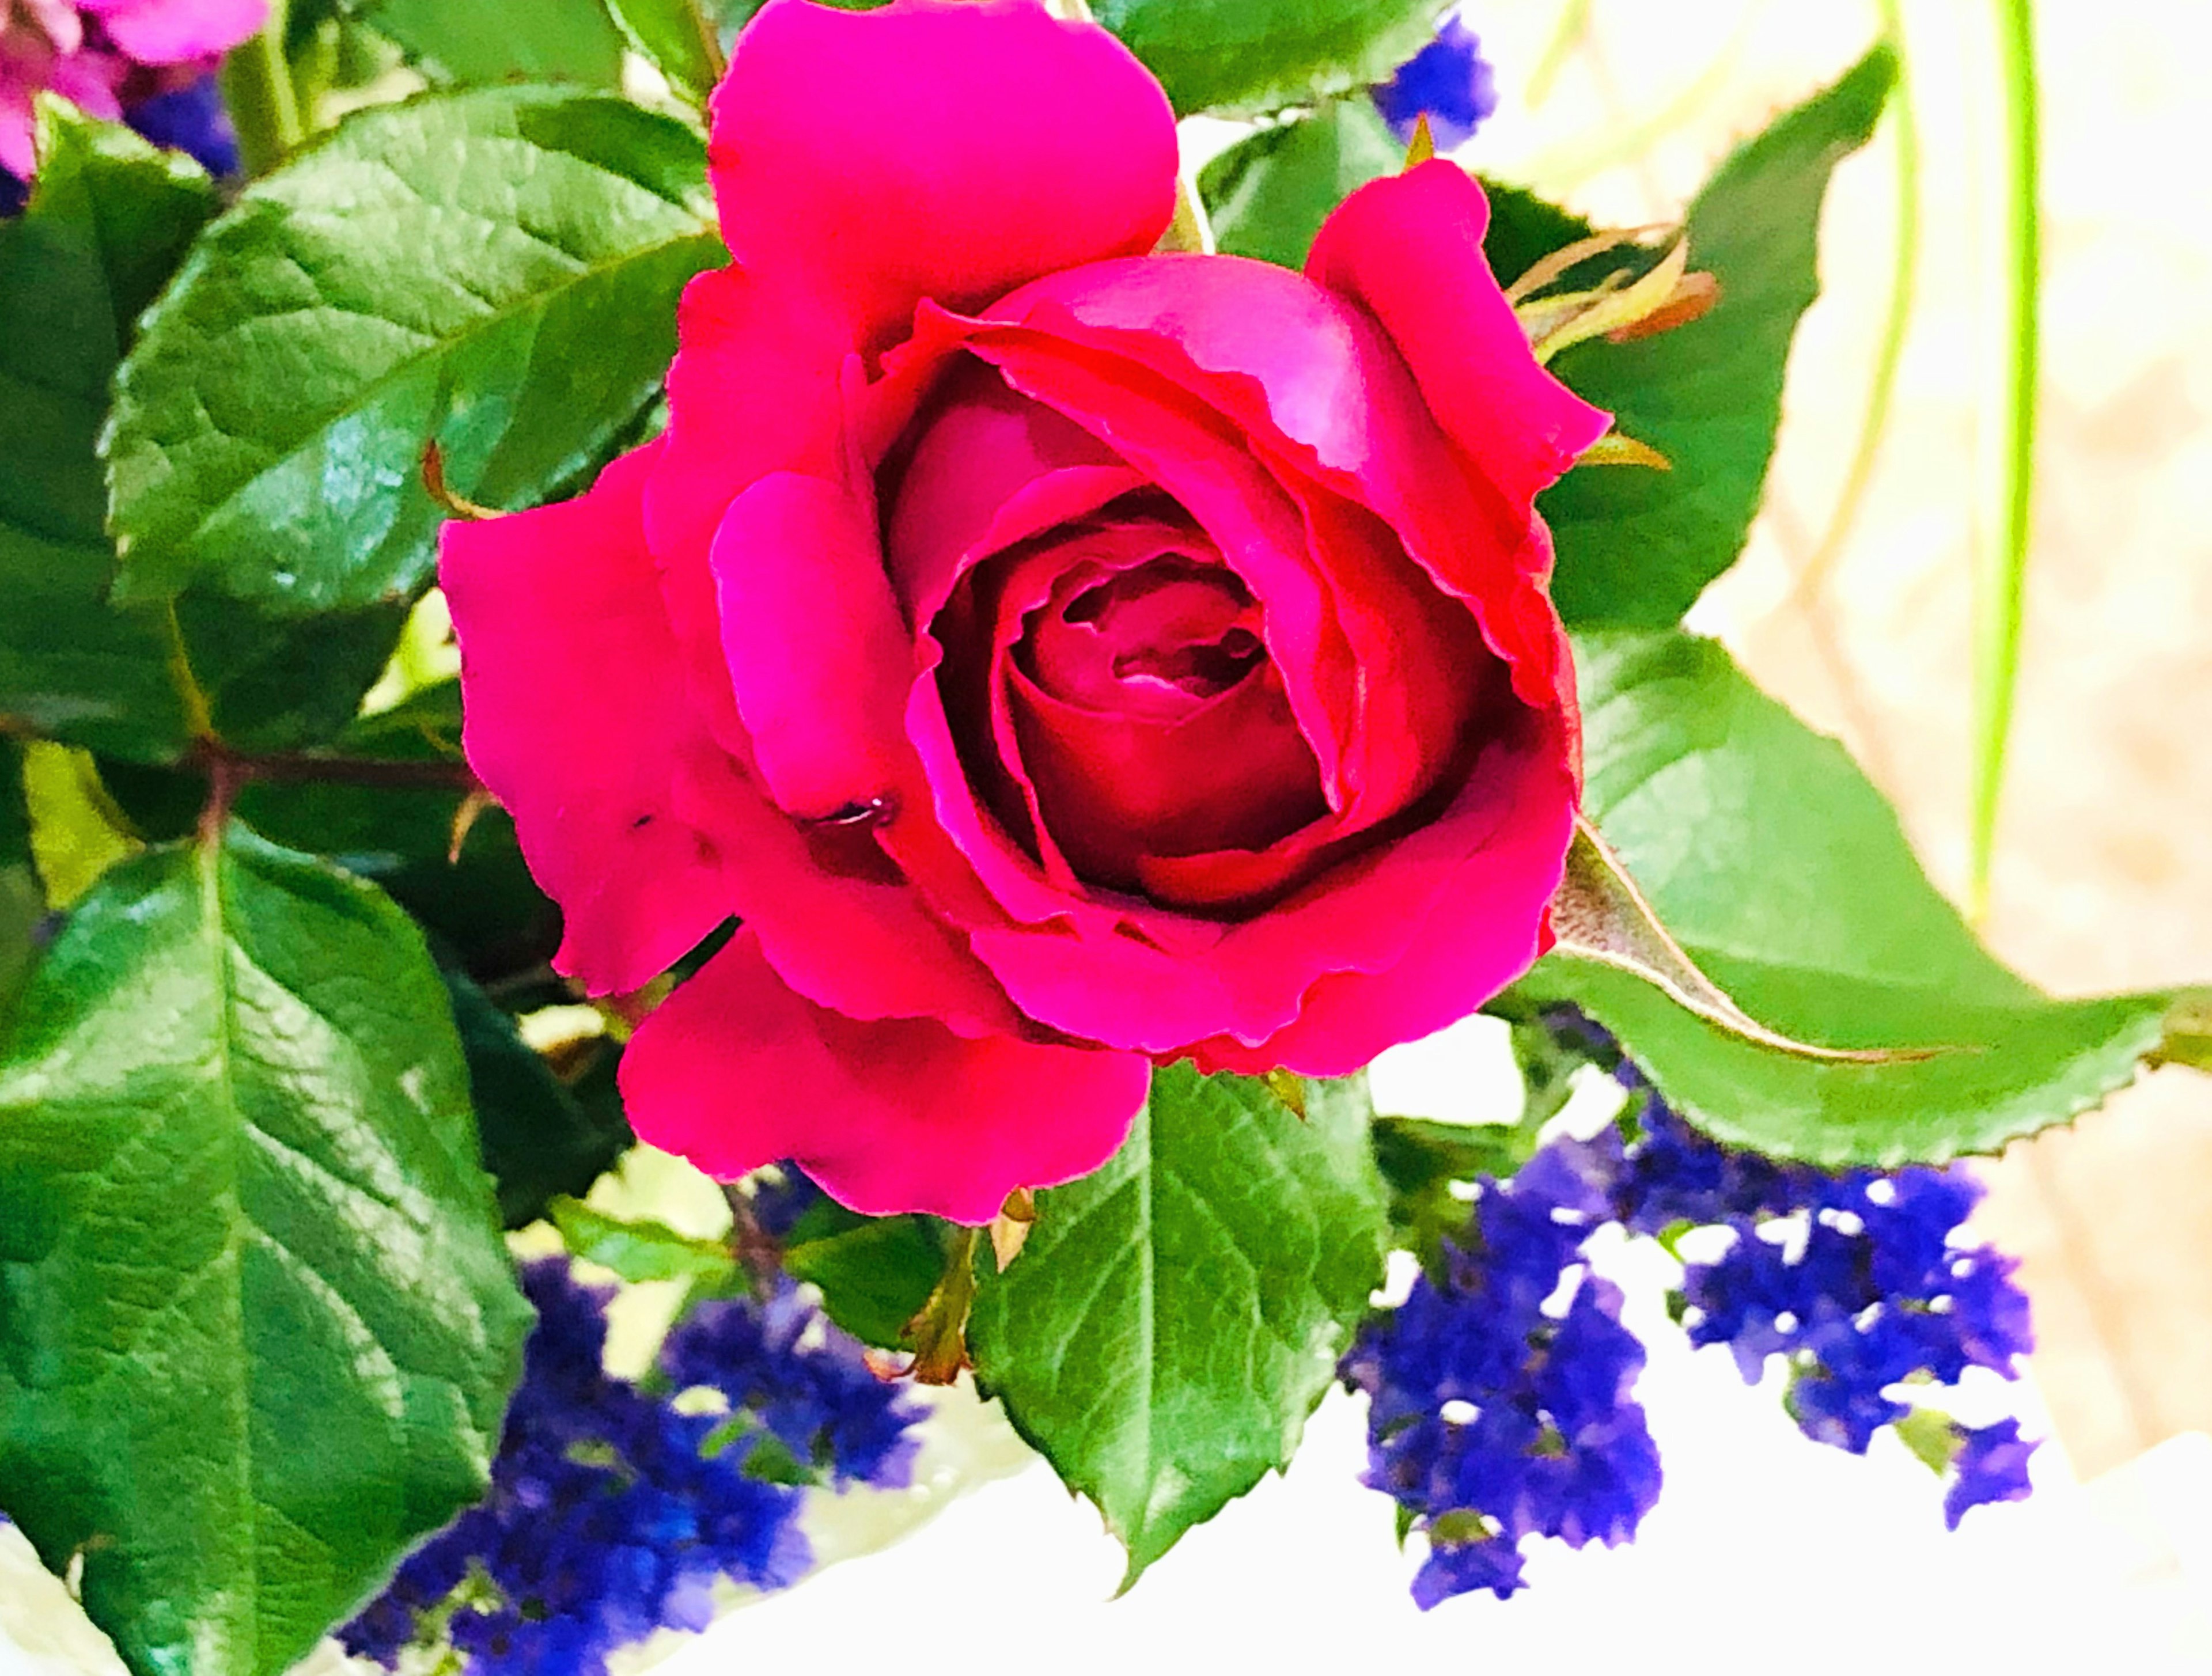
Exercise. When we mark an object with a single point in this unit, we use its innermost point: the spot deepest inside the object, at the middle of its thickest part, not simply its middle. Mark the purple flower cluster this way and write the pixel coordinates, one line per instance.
(189, 118)
(1496, 1414)
(1449, 81)
(1856, 1279)
(615, 1510)
(784, 1368)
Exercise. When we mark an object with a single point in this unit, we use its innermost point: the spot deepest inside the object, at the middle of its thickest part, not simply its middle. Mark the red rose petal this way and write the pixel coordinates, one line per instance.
(578, 721)
(1409, 248)
(961, 149)
(818, 657)
(736, 1071)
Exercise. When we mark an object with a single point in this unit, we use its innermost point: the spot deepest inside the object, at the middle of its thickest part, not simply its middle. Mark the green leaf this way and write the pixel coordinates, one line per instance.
(1265, 54)
(23, 906)
(1420, 1158)
(540, 1138)
(1637, 548)
(1788, 879)
(1176, 1316)
(543, 40)
(15, 810)
(874, 1272)
(678, 36)
(257, 1323)
(641, 1251)
(269, 426)
(1525, 228)
(1268, 194)
(483, 907)
(109, 218)
(22, 902)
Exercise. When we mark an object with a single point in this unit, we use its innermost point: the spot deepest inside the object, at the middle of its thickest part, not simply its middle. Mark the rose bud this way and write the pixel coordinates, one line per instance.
(1060, 658)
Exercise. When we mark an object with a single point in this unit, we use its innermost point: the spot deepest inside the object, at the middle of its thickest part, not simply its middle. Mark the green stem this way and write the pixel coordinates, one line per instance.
(2002, 575)
(192, 697)
(1566, 35)
(264, 106)
(1904, 274)
(710, 42)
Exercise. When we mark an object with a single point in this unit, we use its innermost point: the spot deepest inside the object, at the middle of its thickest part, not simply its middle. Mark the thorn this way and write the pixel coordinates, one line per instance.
(1290, 1087)
(434, 485)
(465, 814)
(1694, 297)
(1615, 449)
(1010, 1228)
(1422, 147)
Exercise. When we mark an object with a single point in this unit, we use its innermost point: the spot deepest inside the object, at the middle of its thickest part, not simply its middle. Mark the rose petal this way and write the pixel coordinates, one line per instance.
(174, 31)
(819, 658)
(966, 147)
(1118, 790)
(1156, 982)
(757, 386)
(577, 719)
(1326, 401)
(736, 1071)
(982, 448)
(1409, 248)
(1482, 932)
(1205, 467)
(833, 916)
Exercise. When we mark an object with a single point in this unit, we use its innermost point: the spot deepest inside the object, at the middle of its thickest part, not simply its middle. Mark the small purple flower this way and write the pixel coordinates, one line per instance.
(189, 118)
(1448, 81)
(1858, 1280)
(1462, 1567)
(1495, 1415)
(1991, 1466)
(803, 1380)
(613, 1512)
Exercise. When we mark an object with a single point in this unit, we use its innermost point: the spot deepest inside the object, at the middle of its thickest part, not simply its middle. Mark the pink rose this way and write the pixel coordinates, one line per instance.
(86, 50)
(1062, 659)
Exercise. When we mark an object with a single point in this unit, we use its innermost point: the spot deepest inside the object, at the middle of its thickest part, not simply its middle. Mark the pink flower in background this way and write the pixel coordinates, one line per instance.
(102, 54)
(1060, 658)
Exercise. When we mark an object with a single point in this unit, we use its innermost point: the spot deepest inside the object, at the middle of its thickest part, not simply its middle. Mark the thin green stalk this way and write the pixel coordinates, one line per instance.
(1904, 273)
(1573, 24)
(1568, 165)
(264, 106)
(2002, 572)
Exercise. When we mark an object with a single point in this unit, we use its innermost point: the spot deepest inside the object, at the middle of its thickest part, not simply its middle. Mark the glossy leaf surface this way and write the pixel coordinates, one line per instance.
(1265, 54)
(1175, 1317)
(256, 1324)
(544, 40)
(874, 1272)
(500, 276)
(1786, 876)
(111, 217)
(1636, 547)
(1268, 194)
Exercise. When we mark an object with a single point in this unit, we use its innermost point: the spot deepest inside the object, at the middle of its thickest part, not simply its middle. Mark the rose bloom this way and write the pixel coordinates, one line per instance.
(101, 54)
(1060, 658)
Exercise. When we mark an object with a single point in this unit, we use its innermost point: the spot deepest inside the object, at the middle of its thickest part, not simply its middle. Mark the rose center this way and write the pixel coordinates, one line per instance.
(1156, 640)
(1128, 713)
